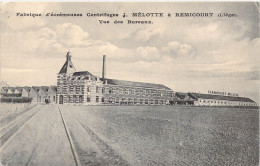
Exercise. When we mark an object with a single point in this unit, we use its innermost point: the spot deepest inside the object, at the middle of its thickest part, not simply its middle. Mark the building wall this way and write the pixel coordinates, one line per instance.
(25, 93)
(42, 95)
(51, 95)
(76, 90)
(33, 94)
(212, 102)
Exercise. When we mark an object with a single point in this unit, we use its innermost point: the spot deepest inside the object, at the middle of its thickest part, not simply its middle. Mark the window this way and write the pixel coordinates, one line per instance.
(103, 90)
(97, 89)
(53, 98)
(141, 101)
(144, 92)
(88, 99)
(88, 89)
(114, 90)
(97, 99)
(151, 101)
(147, 92)
(126, 91)
(74, 98)
(103, 100)
(80, 99)
(110, 90)
(146, 101)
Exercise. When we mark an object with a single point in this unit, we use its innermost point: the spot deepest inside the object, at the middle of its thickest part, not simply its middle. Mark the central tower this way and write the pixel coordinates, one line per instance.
(65, 73)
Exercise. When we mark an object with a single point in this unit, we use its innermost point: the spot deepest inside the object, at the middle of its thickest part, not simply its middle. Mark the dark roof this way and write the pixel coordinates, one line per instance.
(11, 88)
(28, 89)
(79, 73)
(45, 88)
(68, 66)
(134, 84)
(219, 97)
(54, 88)
(36, 88)
(19, 89)
(5, 89)
(180, 95)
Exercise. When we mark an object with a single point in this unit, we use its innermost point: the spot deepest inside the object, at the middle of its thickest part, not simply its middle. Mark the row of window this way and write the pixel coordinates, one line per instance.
(224, 102)
(79, 98)
(129, 100)
(138, 92)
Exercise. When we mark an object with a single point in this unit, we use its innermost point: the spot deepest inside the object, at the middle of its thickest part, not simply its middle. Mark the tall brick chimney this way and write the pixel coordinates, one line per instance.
(104, 67)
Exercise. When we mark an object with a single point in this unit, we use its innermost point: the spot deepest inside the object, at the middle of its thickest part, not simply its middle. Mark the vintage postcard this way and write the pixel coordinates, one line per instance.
(129, 83)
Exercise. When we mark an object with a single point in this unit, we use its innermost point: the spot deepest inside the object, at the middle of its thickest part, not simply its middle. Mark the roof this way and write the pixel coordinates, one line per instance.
(54, 88)
(36, 88)
(219, 97)
(19, 89)
(5, 89)
(11, 88)
(28, 89)
(79, 73)
(134, 84)
(84, 73)
(68, 66)
(45, 88)
(180, 95)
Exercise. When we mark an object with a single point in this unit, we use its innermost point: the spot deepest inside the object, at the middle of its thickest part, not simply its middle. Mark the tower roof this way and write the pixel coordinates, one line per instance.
(68, 66)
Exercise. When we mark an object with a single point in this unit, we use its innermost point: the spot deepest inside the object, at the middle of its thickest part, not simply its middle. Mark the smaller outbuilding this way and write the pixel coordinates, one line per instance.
(220, 100)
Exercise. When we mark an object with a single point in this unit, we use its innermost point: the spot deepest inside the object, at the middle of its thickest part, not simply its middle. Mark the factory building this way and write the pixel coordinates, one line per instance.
(200, 99)
(85, 88)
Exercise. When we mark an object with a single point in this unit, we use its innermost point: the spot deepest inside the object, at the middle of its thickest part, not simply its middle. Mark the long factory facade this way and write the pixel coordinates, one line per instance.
(83, 88)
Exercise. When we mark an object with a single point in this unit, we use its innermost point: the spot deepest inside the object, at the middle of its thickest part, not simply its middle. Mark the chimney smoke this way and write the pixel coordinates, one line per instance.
(104, 67)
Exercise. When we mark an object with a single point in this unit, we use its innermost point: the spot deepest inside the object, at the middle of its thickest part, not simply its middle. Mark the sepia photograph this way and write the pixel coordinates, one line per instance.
(129, 83)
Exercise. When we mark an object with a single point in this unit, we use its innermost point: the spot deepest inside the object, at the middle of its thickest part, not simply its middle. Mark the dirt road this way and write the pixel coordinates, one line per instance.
(41, 140)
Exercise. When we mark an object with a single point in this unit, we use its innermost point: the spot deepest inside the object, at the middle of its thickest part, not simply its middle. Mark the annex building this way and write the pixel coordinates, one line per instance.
(200, 99)
(82, 87)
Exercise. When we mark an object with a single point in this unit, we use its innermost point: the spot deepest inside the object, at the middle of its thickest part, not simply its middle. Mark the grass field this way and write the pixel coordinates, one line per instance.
(132, 135)
(166, 135)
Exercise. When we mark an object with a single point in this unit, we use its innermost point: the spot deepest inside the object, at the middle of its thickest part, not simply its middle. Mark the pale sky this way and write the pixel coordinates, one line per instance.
(185, 54)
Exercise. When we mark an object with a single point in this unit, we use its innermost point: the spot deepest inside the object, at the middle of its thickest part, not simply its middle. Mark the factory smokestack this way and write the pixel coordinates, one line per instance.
(104, 67)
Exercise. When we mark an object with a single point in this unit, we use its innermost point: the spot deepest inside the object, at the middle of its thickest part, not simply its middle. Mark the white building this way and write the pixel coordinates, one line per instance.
(220, 100)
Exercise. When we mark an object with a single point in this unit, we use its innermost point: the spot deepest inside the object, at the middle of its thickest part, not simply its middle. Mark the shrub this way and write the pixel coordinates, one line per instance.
(12, 95)
(15, 100)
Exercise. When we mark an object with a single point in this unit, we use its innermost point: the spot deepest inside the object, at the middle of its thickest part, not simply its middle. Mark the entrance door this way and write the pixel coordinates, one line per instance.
(61, 99)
